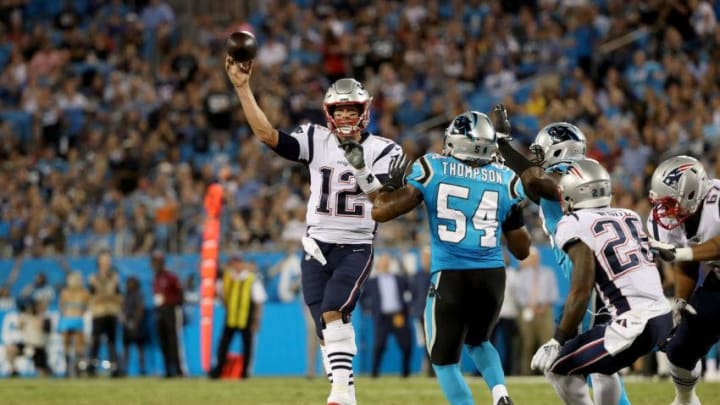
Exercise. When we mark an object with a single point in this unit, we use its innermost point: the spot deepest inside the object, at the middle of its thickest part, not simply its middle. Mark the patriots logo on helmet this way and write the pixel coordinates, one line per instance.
(671, 179)
(575, 171)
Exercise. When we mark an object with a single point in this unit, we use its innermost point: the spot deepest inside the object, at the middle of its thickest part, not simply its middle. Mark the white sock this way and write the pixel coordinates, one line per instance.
(571, 388)
(341, 349)
(498, 392)
(328, 372)
(663, 364)
(326, 363)
(685, 381)
(606, 389)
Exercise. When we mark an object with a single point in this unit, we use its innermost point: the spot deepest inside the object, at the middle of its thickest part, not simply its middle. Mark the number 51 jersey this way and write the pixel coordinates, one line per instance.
(467, 207)
(625, 274)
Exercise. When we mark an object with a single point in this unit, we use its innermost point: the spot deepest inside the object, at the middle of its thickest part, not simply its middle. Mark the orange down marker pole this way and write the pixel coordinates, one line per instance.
(208, 270)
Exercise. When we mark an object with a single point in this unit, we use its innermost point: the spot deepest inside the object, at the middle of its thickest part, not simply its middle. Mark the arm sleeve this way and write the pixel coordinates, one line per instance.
(420, 174)
(296, 146)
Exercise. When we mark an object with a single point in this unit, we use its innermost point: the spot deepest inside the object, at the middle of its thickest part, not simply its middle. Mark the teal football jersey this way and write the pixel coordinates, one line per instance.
(551, 212)
(466, 209)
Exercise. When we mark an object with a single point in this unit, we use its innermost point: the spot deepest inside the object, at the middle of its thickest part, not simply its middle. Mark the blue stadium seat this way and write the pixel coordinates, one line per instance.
(525, 125)
(75, 120)
(481, 101)
(522, 92)
(20, 121)
(5, 51)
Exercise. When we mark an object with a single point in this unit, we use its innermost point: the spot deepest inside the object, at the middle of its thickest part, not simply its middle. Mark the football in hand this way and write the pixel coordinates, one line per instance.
(242, 46)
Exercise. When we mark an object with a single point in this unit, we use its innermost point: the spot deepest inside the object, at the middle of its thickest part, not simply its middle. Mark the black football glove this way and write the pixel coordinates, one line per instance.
(501, 123)
(396, 173)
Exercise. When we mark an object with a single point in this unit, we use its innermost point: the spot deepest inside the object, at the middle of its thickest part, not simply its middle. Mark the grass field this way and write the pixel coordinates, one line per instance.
(298, 391)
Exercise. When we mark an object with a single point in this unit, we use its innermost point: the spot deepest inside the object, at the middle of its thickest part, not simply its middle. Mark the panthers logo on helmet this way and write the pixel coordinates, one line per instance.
(561, 133)
(462, 125)
(671, 179)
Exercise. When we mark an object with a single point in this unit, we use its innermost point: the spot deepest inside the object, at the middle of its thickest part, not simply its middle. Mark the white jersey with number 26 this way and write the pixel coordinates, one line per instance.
(625, 275)
(338, 211)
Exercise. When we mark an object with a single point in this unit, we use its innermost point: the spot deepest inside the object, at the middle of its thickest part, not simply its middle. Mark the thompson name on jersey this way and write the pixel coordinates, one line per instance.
(467, 206)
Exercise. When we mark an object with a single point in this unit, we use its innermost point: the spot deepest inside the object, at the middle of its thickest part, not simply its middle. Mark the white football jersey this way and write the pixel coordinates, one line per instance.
(689, 234)
(338, 211)
(625, 275)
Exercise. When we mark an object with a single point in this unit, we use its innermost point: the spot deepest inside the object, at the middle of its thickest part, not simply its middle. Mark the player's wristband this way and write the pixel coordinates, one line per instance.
(367, 181)
(683, 254)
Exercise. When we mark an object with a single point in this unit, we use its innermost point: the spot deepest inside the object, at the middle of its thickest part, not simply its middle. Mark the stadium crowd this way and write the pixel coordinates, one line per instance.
(116, 115)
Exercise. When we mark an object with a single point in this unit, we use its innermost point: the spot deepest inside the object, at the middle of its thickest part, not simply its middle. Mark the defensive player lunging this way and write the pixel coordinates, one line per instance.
(469, 198)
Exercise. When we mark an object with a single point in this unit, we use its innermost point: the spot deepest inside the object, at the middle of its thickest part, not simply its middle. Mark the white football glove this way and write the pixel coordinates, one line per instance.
(545, 356)
(680, 307)
(670, 253)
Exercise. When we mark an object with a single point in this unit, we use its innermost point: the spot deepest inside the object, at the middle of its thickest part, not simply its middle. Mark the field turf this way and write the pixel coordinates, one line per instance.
(299, 391)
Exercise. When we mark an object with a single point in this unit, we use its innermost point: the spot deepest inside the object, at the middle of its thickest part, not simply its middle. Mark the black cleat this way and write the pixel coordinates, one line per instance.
(505, 401)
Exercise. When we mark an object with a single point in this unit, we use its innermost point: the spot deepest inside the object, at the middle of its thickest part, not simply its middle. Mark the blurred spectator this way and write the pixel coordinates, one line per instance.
(384, 297)
(105, 304)
(74, 300)
(505, 336)
(535, 292)
(128, 83)
(39, 290)
(191, 293)
(133, 322)
(419, 286)
(168, 299)
(157, 12)
(289, 288)
(243, 296)
(7, 302)
(34, 328)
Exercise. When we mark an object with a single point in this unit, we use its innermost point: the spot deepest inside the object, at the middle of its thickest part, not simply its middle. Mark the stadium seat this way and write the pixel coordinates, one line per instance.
(481, 101)
(20, 121)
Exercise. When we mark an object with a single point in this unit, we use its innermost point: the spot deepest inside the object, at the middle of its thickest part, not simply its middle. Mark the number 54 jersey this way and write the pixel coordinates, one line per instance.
(467, 208)
(625, 274)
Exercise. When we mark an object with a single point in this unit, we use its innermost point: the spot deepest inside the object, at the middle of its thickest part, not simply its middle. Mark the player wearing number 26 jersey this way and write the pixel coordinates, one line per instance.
(609, 252)
(470, 200)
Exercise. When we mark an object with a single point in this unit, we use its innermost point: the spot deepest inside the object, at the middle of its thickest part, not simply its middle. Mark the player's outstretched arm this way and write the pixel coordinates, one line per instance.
(239, 74)
(708, 250)
(536, 182)
(581, 284)
(391, 204)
